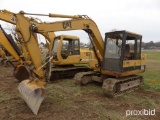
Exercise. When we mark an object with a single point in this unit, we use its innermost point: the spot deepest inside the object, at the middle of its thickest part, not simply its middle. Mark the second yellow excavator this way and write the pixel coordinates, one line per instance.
(69, 58)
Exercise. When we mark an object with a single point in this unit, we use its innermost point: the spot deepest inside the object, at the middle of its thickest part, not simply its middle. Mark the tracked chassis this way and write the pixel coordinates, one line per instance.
(112, 87)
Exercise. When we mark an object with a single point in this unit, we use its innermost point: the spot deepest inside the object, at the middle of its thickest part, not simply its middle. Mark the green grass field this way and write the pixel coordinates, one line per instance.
(152, 73)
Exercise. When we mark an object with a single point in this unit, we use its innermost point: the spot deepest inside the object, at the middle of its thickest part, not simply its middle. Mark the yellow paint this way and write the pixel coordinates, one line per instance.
(132, 63)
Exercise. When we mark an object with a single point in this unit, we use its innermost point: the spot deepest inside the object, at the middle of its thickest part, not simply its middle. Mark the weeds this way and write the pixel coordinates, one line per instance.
(150, 102)
(151, 75)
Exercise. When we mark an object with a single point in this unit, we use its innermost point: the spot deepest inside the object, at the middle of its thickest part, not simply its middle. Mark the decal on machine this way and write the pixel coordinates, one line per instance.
(67, 24)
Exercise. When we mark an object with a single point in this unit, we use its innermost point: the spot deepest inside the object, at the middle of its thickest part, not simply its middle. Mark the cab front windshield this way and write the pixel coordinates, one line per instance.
(113, 46)
(69, 46)
(66, 45)
(55, 46)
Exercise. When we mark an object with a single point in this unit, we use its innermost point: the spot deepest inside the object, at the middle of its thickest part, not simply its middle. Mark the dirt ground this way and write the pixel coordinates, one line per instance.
(66, 101)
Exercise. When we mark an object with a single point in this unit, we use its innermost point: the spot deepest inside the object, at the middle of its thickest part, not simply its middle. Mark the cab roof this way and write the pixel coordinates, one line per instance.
(124, 32)
(68, 37)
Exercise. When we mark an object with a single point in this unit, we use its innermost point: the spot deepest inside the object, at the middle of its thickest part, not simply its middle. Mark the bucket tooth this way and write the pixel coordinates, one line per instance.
(32, 94)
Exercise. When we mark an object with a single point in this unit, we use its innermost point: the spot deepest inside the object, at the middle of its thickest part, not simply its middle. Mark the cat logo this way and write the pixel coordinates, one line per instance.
(67, 24)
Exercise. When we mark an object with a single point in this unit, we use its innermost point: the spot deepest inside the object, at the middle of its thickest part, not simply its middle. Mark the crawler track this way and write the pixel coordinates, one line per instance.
(112, 87)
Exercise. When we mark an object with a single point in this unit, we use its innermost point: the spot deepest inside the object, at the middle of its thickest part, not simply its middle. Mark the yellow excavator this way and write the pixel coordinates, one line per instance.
(119, 57)
(116, 68)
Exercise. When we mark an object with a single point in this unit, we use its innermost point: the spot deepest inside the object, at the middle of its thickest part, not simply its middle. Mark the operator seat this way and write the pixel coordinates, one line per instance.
(127, 53)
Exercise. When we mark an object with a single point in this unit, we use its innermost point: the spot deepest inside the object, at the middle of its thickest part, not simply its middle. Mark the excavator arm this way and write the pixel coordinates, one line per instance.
(30, 42)
(32, 89)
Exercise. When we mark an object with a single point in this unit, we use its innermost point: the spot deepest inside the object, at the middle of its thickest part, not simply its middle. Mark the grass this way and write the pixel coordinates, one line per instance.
(94, 88)
(152, 73)
(150, 102)
(62, 92)
(152, 54)
(140, 100)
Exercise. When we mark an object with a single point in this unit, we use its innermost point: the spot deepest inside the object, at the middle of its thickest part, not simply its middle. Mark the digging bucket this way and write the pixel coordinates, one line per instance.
(32, 93)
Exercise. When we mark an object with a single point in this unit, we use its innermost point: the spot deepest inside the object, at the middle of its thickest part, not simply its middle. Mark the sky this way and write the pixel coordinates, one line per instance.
(139, 16)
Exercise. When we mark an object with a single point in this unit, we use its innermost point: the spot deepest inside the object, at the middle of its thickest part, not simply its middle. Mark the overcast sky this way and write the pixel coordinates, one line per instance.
(140, 16)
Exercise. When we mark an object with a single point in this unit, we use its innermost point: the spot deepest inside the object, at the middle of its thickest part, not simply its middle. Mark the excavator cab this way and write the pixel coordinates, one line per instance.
(122, 55)
(66, 50)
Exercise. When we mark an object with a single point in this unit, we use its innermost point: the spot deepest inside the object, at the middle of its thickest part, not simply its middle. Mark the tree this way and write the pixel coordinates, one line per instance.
(151, 44)
(157, 44)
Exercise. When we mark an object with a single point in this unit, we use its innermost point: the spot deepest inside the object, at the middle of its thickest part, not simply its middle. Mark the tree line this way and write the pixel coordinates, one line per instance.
(151, 45)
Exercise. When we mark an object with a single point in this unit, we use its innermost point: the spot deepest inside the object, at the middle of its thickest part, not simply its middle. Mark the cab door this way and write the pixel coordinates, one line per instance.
(113, 51)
